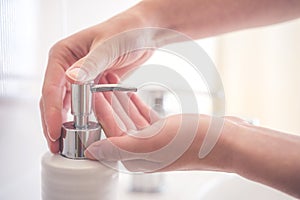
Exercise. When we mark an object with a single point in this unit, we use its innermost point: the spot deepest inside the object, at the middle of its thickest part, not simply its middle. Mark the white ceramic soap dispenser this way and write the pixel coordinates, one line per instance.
(69, 175)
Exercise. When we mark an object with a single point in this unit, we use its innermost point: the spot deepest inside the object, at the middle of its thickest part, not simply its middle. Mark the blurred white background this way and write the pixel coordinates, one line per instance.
(259, 69)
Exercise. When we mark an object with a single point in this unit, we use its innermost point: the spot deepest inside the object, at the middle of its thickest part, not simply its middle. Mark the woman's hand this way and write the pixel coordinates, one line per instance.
(144, 142)
(83, 51)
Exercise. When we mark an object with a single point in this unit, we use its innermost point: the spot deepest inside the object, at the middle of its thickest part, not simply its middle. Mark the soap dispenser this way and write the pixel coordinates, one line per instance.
(69, 175)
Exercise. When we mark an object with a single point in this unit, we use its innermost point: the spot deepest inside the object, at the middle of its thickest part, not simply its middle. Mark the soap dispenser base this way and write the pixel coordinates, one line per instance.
(68, 179)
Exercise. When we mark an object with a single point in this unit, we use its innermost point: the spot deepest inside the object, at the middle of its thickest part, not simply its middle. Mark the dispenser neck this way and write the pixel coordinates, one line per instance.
(81, 104)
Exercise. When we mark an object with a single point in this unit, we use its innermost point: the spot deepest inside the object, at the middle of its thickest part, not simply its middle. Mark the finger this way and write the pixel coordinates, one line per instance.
(43, 120)
(66, 102)
(131, 110)
(128, 106)
(137, 154)
(78, 74)
(155, 137)
(111, 97)
(106, 152)
(109, 120)
(52, 97)
(89, 67)
(53, 146)
(122, 148)
(148, 113)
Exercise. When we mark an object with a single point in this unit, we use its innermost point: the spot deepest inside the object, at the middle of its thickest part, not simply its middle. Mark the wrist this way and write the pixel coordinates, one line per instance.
(143, 14)
(153, 13)
(146, 14)
(221, 157)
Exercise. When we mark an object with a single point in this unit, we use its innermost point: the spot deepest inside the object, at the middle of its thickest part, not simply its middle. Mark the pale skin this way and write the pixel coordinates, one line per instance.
(257, 153)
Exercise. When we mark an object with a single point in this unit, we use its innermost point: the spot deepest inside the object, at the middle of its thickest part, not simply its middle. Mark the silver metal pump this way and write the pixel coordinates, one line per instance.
(77, 135)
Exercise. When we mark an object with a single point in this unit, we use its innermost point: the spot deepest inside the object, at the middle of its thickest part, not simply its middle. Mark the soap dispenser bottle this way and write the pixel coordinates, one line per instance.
(69, 175)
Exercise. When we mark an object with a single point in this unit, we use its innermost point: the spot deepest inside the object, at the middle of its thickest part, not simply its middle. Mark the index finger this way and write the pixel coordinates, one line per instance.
(52, 98)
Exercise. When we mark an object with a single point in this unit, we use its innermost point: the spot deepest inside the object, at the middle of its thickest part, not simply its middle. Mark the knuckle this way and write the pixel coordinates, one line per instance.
(60, 44)
(57, 47)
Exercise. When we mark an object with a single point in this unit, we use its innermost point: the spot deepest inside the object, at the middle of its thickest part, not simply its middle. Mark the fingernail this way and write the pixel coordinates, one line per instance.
(49, 135)
(52, 140)
(76, 73)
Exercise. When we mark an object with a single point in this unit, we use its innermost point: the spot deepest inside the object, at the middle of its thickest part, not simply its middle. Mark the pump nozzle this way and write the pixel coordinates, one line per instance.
(77, 135)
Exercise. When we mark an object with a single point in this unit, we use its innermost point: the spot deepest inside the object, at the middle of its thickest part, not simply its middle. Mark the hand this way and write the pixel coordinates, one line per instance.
(77, 50)
(144, 142)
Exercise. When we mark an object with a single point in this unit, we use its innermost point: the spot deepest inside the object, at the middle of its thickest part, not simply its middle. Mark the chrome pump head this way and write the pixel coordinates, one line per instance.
(77, 135)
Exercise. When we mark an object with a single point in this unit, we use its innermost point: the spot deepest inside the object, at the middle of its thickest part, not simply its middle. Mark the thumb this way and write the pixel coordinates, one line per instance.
(87, 68)
(104, 53)
(133, 145)
(110, 150)
(134, 159)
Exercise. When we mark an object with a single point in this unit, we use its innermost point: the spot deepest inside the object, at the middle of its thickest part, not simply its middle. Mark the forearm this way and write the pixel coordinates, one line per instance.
(268, 157)
(201, 18)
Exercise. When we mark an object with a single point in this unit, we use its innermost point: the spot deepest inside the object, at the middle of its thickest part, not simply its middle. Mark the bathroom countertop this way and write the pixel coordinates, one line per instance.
(177, 185)
(196, 185)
